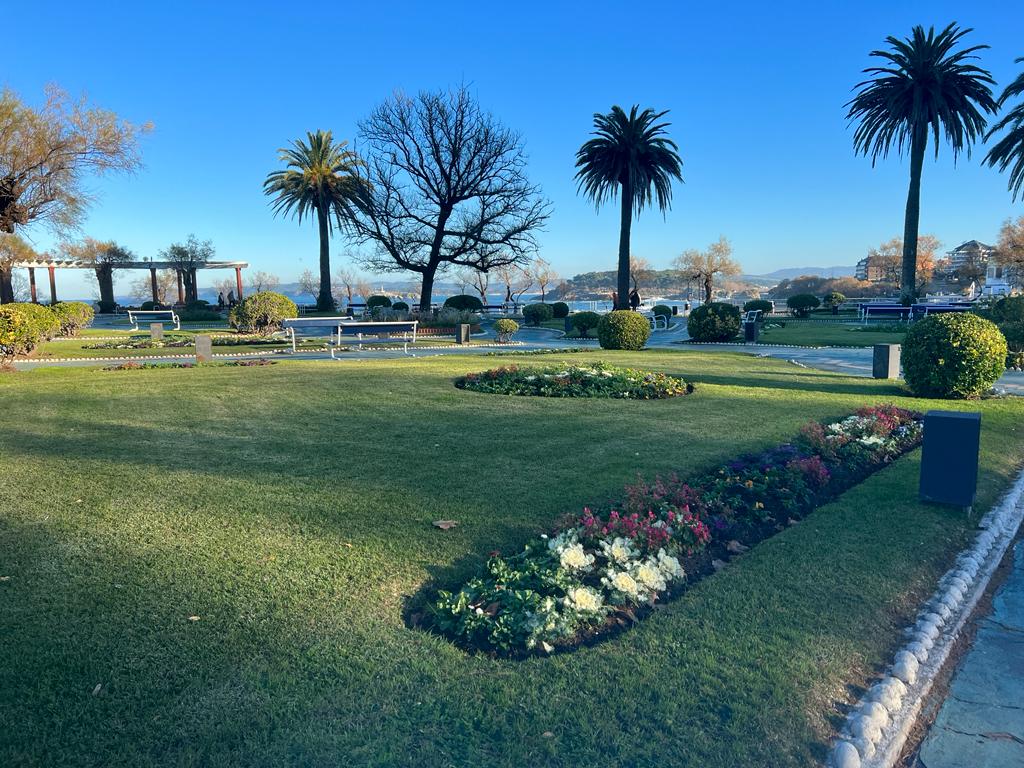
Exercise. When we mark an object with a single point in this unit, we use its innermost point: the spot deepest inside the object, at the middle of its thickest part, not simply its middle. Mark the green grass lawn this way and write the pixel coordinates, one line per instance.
(289, 508)
(812, 334)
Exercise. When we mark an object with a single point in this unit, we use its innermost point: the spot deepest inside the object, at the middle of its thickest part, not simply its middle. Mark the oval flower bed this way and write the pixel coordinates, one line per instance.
(603, 569)
(598, 380)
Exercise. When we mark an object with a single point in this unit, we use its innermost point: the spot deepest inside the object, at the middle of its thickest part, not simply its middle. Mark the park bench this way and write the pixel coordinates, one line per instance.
(153, 316)
(879, 310)
(658, 322)
(330, 325)
(398, 330)
(923, 310)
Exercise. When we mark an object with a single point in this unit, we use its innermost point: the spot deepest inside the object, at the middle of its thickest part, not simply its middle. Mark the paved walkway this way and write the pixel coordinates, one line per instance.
(981, 723)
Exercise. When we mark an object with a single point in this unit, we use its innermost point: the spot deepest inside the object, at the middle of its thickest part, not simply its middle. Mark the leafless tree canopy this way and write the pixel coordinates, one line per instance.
(449, 187)
(46, 153)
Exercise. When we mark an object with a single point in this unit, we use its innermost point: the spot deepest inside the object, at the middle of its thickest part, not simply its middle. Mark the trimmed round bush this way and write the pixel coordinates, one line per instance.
(763, 306)
(584, 322)
(834, 299)
(803, 303)
(148, 306)
(72, 316)
(662, 310)
(18, 334)
(464, 302)
(535, 314)
(716, 321)
(400, 306)
(505, 328)
(1009, 310)
(377, 301)
(957, 355)
(560, 308)
(262, 313)
(44, 320)
(623, 329)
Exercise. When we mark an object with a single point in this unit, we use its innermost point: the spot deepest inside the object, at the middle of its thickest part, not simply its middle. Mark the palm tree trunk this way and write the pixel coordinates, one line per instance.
(625, 225)
(908, 280)
(324, 300)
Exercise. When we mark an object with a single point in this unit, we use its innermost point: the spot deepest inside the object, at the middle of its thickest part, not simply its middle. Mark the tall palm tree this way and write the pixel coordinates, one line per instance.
(1009, 151)
(324, 177)
(926, 87)
(629, 156)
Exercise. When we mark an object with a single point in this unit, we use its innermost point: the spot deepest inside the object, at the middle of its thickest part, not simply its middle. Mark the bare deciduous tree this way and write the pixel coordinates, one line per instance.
(310, 284)
(516, 280)
(448, 187)
(706, 265)
(264, 281)
(543, 275)
(1010, 249)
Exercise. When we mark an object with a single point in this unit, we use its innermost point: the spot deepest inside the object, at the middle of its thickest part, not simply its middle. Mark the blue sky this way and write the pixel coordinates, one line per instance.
(756, 93)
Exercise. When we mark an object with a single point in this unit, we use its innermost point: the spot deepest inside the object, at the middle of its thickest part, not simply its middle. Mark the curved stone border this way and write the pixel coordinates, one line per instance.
(877, 728)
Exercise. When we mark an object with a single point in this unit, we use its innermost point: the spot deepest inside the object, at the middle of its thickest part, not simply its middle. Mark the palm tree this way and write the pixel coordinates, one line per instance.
(1009, 151)
(324, 177)
(926, 87)
(629, 156)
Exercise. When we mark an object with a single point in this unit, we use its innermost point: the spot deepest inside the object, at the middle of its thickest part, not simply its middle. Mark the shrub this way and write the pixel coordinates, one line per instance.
(197, 304)
(72, 316)
(1014, 335)
(583, 322)
(464, 301)
(201, 315)
(623, 329)
(716, 321)
(1009, 310)
(44, 321)
(535, 314)
(803, 303)
(106, 307)
(560, 309)
(763, 306)
(956, 355)
(448, 317)
(18, 335)
(662, 310)
(598, 380)
(377, 301)
(400, 306)
(505, 328)
(148, 306)
(262, 313)
(834, 299)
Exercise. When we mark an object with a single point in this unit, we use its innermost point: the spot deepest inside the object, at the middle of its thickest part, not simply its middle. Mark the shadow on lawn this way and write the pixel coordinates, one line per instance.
(831, 383)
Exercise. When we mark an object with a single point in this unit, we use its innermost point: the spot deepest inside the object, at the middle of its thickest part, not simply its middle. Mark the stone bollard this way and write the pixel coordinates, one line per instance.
(462, 333)
(156, 331)
(204, 348)
(886, 361)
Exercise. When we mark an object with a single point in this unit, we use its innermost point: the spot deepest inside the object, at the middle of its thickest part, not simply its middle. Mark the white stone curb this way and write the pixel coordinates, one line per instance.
(877, 728)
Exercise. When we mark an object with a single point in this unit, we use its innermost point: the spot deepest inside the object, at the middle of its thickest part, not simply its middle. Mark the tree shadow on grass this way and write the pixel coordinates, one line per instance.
(828, 383)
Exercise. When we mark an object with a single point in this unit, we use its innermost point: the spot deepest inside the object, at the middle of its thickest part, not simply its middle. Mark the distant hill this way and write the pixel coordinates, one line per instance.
(790, 272)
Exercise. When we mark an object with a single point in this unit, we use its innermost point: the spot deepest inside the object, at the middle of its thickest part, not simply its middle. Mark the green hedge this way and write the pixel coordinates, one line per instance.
(505, 328)
(560, 308)
(662, 310)
(535, 314)
(584, 322)
(716, 321)
(400, 306)
(803, 303)
(377, 301)
(623, 329)
(465, 302)
(758, 305)
(18, 335)
(956, 355)
(1009, 310)
(262, 313)
(73, 316)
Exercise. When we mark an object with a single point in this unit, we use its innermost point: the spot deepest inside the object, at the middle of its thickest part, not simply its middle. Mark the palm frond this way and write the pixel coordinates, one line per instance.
(1008, 153)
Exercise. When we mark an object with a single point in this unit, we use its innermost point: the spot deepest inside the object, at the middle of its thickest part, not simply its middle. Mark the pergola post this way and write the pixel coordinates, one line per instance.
(32, 284)
(152, 282)
(53, 285)
(181, 288)
(238, 281)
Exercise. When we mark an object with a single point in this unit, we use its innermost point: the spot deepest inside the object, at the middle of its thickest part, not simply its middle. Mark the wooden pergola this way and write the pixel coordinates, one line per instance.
(51, 265)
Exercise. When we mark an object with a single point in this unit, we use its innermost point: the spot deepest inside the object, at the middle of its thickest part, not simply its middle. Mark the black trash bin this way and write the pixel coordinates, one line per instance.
(949, 458)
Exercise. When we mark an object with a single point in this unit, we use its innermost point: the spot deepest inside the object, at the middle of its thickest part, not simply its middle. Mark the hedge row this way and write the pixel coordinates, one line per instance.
(24, 326)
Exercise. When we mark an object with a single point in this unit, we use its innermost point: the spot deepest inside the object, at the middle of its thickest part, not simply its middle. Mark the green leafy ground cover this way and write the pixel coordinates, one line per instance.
(210, 567)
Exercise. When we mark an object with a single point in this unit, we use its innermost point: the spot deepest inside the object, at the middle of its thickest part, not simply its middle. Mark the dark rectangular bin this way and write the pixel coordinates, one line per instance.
(949, 457)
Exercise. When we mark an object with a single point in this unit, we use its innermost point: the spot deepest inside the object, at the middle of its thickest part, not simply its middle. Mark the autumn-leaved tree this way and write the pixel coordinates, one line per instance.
(705, 266)
(887, 258)
(320, 178)
(927, 87)
(105, 256)
(629, 156)
(448, 188)
(1010, 250)
(12, 249)
(47, 154)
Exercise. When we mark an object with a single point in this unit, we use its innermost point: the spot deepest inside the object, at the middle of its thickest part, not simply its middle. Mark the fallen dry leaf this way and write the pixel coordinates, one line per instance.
(193, 618)
(97, 689)
(736, 548)
(718, 564)
(444, 525)
(5, 578)
(547, 735)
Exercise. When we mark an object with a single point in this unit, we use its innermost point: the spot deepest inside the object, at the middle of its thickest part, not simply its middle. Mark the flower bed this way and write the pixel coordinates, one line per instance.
(598, 380)
(254, 362)
(603, 569)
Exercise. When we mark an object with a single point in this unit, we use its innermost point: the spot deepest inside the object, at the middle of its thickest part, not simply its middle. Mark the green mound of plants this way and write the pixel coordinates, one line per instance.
(465, 302)
(598, 380)
(956, 355)
(535, 314)
(604, 569)
(715, 321)
(560, 309)
(262, 313)
(584, 322)
(505, 328)
(623, 329)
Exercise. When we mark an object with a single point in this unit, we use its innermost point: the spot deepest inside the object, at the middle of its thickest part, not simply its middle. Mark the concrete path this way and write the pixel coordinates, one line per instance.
(981, 723)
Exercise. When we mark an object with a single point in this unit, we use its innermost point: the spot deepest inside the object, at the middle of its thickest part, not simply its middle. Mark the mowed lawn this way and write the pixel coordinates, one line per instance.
(811, 334)
(209, 567)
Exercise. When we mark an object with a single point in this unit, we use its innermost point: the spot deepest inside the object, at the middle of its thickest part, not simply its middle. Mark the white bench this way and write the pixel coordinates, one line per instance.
(153, 316)
(658, 322)
(403, 331)
(334, 324)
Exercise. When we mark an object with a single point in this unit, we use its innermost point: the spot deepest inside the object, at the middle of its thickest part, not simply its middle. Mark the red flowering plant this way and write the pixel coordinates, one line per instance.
(649, 531)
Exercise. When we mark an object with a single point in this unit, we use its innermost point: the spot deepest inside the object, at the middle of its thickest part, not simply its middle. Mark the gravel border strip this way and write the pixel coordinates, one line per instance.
(878, 727)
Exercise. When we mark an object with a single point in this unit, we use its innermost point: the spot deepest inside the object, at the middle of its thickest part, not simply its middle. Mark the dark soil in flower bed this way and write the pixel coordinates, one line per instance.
(597, 380)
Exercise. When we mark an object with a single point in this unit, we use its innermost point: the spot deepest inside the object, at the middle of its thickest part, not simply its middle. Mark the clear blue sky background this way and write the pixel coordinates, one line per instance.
(756, 93)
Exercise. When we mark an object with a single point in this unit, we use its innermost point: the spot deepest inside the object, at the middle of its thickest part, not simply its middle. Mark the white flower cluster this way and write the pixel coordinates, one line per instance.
(639, 580)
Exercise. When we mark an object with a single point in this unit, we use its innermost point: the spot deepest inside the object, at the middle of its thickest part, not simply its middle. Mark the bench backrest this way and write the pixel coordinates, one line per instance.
(314, 322)
(354, 329)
